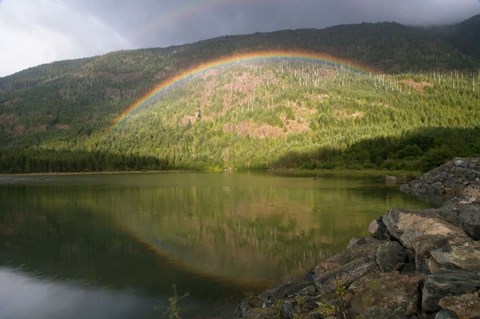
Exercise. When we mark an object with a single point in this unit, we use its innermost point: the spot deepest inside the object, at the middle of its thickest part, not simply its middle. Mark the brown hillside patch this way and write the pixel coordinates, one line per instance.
(10, 125)
(62, 126)
(40, 128)
(209, 73)
(381, 104)
(187, 119)
(208, 93)
(239, 91)
(342, 114)
(19, 130)
(301, 111)
(12, 102)
(419, 86)
(297, 126)
(246, 84)
(254, 130)
(113, 93)
(125, 77)
(318, 97)
(8, 118)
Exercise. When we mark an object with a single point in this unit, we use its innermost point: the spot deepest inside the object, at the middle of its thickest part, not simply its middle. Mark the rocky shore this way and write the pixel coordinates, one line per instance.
(416, 264)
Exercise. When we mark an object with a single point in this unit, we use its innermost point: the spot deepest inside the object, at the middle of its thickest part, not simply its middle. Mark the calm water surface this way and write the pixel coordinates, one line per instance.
(112, 246)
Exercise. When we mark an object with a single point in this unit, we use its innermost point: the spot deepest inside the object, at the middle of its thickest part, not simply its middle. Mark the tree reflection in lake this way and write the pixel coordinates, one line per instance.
(217, 236)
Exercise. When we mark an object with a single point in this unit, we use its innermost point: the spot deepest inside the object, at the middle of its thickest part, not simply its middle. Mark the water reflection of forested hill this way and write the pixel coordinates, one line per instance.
(244, 228)
(53, 233)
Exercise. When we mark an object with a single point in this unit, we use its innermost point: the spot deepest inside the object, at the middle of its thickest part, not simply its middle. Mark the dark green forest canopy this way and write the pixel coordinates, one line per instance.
(421, 109)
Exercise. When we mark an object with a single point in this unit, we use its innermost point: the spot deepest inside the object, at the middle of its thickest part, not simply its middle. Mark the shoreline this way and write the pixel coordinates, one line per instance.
(417, 263)
(40, 174)
(278, 172)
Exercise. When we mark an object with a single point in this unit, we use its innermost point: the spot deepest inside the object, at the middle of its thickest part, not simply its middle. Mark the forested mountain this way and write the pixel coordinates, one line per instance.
(60, 116)
(464, 36)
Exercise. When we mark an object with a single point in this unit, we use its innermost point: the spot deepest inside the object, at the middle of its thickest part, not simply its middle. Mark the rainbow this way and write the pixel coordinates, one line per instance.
(233, 59)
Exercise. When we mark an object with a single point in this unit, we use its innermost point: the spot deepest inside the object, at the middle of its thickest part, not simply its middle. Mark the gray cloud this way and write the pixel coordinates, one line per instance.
(39, 31)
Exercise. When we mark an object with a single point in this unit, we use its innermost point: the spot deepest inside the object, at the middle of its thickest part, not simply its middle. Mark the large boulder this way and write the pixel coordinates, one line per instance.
(466, 306)
(413, 227)
(465, 255)
(425, 233)
(462, 214)
(447, 283)
(386, 295)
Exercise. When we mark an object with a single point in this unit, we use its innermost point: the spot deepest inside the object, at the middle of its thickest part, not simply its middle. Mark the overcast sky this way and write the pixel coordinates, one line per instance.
(33, 32)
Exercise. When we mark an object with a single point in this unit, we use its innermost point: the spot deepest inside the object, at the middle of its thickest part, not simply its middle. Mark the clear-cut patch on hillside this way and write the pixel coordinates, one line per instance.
(254, 130)
(419, 86)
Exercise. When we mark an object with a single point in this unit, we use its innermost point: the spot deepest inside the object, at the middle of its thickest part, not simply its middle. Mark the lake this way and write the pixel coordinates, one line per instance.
(114, 245)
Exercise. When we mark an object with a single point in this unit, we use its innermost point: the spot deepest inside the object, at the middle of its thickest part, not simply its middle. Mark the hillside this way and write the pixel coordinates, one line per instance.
(223, 119)
(59, 116)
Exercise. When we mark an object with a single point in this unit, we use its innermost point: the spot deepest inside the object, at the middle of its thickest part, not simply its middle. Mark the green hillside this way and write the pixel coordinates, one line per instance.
(256, 114)
(248, 115)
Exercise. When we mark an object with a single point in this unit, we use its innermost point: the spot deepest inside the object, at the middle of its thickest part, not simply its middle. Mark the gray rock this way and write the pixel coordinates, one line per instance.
(389, 179)
(458, 162)
(357, 248)
(293, 287)
(464, 214)
(447, 283)
(391, 256)
(465, 255)
(422, 264)
(472, 191)
(448, 212)
(413, 227)
(314, 315)
(438, 187)
(360, 243)
(455, 178)
(409, 268)
(308, 291)
(325, 266)
(245, 308)
(288, 310)
(469, 220)
(406, 188)
(263, 313)
(446, 314)
(345, 275)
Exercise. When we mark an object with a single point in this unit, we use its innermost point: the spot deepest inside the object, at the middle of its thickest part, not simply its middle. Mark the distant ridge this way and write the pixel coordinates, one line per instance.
(387, 46)
(419, 106)
(464, 36)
